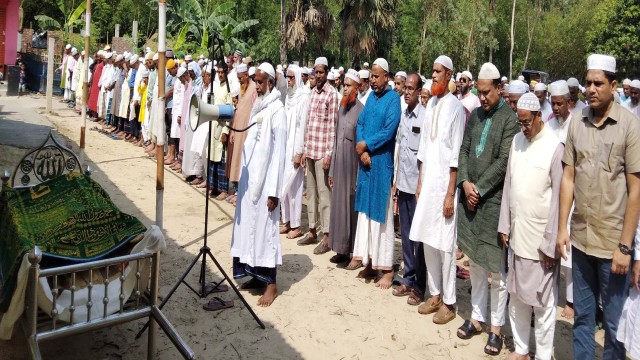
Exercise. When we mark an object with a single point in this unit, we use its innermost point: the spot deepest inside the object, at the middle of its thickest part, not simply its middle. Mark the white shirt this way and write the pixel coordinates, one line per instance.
(363, 98)
(560, 129)
(408, 142)
(470, 101)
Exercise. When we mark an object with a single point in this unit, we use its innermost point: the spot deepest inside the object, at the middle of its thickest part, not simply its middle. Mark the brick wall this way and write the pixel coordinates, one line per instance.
(27, 35)
(25, 46)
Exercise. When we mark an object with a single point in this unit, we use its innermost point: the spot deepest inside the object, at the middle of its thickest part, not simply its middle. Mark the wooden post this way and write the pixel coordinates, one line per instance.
(85, 84)
(50, 50)
(162, 48)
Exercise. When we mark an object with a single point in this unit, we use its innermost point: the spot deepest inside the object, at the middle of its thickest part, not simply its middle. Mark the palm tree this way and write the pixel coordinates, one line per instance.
(70, 17)
(364, 21)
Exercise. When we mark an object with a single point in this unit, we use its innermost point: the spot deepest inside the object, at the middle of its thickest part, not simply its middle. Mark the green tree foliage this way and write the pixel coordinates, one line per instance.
(617, 32)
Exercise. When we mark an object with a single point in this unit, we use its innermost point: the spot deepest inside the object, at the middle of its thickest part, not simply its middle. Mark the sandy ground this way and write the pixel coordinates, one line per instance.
(322, 312)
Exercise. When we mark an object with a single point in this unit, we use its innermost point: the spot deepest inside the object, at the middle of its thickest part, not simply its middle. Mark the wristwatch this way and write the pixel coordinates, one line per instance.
(624, 249)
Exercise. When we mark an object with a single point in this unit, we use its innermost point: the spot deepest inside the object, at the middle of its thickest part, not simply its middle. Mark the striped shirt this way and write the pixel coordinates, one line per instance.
(321, 122)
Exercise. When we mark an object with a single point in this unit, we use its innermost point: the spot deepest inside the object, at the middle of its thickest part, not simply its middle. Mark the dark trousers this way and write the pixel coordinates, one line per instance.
(134, 124)
(415, 269)
(592, 278)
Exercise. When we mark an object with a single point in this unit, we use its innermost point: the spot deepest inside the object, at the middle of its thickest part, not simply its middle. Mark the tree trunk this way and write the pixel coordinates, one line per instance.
(513, 19)
(283, 32)
(530, 36)
(423, 45)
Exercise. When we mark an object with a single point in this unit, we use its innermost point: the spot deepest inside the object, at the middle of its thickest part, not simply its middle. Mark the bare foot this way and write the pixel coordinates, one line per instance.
(567, 312)
(270, 294)
(368, 272)
(515, 356)
(384, 282)
(325, 239)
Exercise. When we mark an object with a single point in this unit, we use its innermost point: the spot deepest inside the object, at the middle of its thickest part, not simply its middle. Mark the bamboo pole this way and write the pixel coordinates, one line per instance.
(162, 48)
(50, 50)
(85, 84)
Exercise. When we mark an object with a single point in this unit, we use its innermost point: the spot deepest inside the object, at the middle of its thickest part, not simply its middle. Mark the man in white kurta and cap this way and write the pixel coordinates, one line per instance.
(634, 97)
(540, 90)
(296, 107)
(574, 89)
(559, 124)
(364, 89)
(517, 88)
(255, 243)
(440, 140)
(528, 226)
(469, 100)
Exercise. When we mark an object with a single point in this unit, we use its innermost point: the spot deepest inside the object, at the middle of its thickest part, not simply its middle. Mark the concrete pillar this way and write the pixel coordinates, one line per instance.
(117, 30)
(50, 50)
(134, 33)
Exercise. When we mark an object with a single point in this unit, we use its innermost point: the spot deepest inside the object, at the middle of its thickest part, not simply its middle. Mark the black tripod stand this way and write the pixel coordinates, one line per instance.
(205, 251)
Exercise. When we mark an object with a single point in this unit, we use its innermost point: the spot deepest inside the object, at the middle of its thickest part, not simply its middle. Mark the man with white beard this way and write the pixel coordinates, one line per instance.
(364, 89)
(255, 243)
(296, 108)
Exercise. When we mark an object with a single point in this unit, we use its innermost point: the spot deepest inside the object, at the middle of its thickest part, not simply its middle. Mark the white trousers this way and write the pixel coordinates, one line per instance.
(375, 240)
(479, 293)
(292, 202)
(67, 94)
(545, 325)
(441, 273)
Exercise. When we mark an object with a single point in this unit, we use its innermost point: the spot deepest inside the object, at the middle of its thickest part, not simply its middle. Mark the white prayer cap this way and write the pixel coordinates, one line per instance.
(427, 84)
(155, 57)
(208, 68)
(382, 63)
(340, 68)
(601, 62)
(402, 74)
(149, 56)
(127, 56)
(144, 73)
(100, 52)
(201, 56)
(331, 76)
(183, 65)
(252, 71)
(200, 62)
(626, 82)
(336, 73)
(364, 74)
(467, 73)
(540, 87)
(74, 51)
(458, 76)
(141, 59)
(321, 61)
(635, 84)
(235, 91)
(305, 70)
(147, 50)
(529, 102)
(559, 88)
(108, 55)
(391, 83)
(444, 61)
(518, 87)
(488, 71)
(181, 71)
(119, 58)
(188, 57)
(68, 46)
(193, 67)
(82, 53)
(353, 75)
(267, 68)
(242, 68)
(521, 77)
(573, 82)
(504, 78)
(133, 59)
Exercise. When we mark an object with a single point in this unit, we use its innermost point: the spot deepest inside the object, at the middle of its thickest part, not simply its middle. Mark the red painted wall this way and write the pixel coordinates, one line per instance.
(11, 23)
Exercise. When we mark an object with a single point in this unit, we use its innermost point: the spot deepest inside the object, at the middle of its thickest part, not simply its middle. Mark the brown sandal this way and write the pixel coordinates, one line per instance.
(294, 233)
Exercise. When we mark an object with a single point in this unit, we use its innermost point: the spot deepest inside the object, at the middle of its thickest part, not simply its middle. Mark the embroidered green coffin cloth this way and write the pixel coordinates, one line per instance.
(71, 218)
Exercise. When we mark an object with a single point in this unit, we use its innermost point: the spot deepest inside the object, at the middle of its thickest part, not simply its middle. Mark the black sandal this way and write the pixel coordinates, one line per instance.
(495, 341)
(469, 330)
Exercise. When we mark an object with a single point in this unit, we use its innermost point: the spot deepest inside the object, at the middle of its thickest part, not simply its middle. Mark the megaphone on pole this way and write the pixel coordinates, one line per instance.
(200, 112)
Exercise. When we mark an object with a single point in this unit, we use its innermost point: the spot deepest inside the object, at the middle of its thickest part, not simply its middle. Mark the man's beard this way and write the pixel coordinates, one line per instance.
(349, 100)
(439, 88)
(290, 91)
(560, 119)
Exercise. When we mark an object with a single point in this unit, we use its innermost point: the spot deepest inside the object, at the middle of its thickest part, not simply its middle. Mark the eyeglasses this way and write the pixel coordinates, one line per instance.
(526, 124)
(409, 90)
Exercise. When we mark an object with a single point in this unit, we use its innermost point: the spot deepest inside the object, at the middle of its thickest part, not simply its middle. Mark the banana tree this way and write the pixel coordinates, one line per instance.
(70, 17)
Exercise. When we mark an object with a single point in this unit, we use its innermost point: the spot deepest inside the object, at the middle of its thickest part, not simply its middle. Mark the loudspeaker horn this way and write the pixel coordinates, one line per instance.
(200, 112)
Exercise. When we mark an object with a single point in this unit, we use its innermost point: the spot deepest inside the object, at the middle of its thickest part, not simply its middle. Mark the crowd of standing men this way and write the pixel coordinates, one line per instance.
(520, 177)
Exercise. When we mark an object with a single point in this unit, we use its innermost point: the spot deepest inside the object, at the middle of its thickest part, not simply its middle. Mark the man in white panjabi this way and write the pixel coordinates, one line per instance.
(540, 90)
(364, 89)
(296, 108)
(255, 243)
(576, 104)
(469, 100)
(559, 124)
(440, 140)
(634, 98)
(528, 226)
